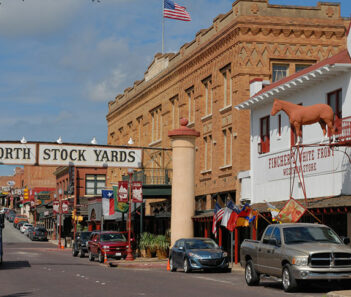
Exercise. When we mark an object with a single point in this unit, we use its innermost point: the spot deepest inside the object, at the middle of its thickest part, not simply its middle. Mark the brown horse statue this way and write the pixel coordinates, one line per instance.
(306, 115)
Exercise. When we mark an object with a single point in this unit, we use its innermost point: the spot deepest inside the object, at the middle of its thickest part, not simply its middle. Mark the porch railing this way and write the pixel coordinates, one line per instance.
(152, 176)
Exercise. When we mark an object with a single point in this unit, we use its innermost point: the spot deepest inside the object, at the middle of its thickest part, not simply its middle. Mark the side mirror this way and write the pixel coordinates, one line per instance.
(273, 241)
(346, 240)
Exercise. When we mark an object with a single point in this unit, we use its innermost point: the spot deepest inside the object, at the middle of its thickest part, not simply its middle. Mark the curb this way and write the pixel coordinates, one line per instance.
(346, 293)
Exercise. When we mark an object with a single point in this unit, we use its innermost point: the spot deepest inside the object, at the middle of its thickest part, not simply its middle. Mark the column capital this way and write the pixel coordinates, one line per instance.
(183, 130)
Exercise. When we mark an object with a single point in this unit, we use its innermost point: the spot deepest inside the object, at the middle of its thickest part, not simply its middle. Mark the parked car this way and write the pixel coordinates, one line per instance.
(38, 233)
(24, 227)
(20, 224)
(112, 243)
(10, 215)
(29, 229)
(197, 254)
(19, 218)
(296, 252)
(80, 245)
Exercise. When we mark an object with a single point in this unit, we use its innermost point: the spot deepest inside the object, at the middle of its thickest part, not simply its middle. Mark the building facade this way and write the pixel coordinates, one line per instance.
(317, 172)
(208, 77)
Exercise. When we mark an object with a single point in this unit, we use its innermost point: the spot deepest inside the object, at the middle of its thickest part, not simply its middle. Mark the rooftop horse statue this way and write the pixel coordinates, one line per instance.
(306, 115)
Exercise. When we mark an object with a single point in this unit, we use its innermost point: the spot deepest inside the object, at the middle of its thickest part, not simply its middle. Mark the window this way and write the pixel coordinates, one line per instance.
(279, 125)
(175, 112)
(94, 183)
(207, 152)
(227, 86)
(267, 234)
(276, 235)
(264, 135)
(156, 124)
(299, 67)
(139, 130)
(335, 101)
(279, 71)
(191, 104)
(227, 147)
(208, 95)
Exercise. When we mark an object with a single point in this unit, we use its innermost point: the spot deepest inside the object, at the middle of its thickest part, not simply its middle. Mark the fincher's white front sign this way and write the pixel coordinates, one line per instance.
(92, 156)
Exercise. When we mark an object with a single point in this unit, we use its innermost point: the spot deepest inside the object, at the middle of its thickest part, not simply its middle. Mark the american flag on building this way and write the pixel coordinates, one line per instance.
(174, 11)
(217, 217)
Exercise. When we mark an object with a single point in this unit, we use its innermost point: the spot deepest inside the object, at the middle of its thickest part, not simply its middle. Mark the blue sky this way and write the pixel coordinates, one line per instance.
(62, 61)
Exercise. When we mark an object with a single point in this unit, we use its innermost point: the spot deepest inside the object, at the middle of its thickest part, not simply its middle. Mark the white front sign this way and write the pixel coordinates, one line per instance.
(13, 154)
(99, 156)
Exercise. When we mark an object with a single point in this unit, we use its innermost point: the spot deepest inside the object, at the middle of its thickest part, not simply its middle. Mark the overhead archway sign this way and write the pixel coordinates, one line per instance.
(52, 154)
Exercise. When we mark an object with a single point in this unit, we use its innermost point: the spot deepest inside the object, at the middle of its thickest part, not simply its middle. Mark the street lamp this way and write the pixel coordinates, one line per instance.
(60, 214)
(129, 250)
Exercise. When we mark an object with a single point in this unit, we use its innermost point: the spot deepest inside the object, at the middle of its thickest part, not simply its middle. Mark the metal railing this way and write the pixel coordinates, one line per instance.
(152, 176)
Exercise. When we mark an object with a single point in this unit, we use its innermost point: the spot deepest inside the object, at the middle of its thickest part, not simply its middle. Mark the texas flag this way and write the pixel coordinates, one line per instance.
(108, 205)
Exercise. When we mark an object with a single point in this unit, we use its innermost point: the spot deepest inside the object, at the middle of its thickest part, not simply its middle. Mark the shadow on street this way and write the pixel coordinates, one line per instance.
(18, 294)
(14, 265)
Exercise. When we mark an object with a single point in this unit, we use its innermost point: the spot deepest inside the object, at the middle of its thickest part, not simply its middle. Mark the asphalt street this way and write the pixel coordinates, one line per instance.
(40, 269)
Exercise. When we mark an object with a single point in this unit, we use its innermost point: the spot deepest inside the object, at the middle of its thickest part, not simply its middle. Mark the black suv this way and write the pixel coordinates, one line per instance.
(80, 245)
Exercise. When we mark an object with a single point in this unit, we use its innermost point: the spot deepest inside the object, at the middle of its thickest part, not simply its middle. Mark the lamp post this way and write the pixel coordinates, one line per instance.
(129, 250)
(60, 214)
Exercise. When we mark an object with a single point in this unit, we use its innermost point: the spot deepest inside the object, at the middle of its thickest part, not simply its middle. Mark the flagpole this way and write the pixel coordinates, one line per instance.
(163, 27)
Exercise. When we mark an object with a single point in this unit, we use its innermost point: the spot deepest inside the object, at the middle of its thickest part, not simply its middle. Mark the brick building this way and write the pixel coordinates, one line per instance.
(208, 77)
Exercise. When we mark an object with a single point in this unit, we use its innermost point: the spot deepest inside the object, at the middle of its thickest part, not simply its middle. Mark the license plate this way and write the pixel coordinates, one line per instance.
(118, 254)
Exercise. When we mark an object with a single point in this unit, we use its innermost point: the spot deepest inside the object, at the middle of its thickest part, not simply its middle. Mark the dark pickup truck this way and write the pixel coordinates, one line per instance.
(296, 252)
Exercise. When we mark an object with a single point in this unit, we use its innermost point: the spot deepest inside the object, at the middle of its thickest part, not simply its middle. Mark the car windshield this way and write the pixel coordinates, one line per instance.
(85, 235)
(200, 244)
(294, 235)
(113, 237)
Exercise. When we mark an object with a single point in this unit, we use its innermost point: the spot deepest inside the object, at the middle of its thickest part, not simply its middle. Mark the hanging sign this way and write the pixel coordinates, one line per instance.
(64, 207)
(137, 192)
(92, 156)
(56, 206)
(123, 191)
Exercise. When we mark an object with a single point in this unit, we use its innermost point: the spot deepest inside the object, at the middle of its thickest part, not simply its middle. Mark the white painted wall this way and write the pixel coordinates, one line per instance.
(327, 173)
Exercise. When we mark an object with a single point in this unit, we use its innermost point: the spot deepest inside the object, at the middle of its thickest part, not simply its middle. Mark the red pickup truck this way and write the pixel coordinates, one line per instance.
(112, 243)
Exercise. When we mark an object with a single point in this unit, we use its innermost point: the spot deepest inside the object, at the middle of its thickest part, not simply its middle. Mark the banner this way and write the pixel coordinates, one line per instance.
(291, 212)
(123, 191)
(56, 206)
(122, 207)
(137, 192)
(64, 207)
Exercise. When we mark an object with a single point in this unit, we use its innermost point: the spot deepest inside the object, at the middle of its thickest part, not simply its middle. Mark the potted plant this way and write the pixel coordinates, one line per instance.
(146, 244)
(162, 246)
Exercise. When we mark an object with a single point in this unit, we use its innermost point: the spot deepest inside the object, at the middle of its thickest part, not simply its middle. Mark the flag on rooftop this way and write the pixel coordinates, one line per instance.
(174, 11)
(217, 217)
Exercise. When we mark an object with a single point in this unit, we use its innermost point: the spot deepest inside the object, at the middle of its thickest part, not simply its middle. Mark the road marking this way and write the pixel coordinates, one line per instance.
(215, 280)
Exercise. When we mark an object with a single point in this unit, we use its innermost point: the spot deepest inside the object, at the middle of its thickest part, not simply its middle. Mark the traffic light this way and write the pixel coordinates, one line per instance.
(26, 194)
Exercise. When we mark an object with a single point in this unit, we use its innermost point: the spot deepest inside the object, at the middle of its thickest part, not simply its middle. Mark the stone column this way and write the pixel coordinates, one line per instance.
(183, 183)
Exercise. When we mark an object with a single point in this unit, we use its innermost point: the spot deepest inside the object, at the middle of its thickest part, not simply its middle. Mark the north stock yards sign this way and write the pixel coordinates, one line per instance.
(51, 154)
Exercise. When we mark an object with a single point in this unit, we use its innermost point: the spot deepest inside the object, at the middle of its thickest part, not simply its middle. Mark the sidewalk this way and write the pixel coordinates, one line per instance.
(346, 293)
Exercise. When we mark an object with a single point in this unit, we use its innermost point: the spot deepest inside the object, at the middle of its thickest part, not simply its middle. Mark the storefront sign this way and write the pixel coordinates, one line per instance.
(137, 192)
(123, 191)
(314, 160)
(65, 155)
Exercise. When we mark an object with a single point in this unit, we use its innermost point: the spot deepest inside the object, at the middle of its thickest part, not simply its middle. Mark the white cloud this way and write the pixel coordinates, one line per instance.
(107, 89)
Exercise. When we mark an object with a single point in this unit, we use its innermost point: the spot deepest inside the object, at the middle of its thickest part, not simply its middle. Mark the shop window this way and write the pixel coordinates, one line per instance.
(264, 135)
(94, 184)
(335, 101)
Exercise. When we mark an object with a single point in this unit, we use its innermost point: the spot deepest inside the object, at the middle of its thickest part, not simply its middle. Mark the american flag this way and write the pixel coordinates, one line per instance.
(174, 11)
(217, 217)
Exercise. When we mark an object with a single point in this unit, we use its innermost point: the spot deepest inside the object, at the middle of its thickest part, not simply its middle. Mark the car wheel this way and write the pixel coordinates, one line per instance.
(252, 278)
(91, 257)
(186, 266)
(288, 280)
(81, 253)
(171, 265)
(101, 257)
